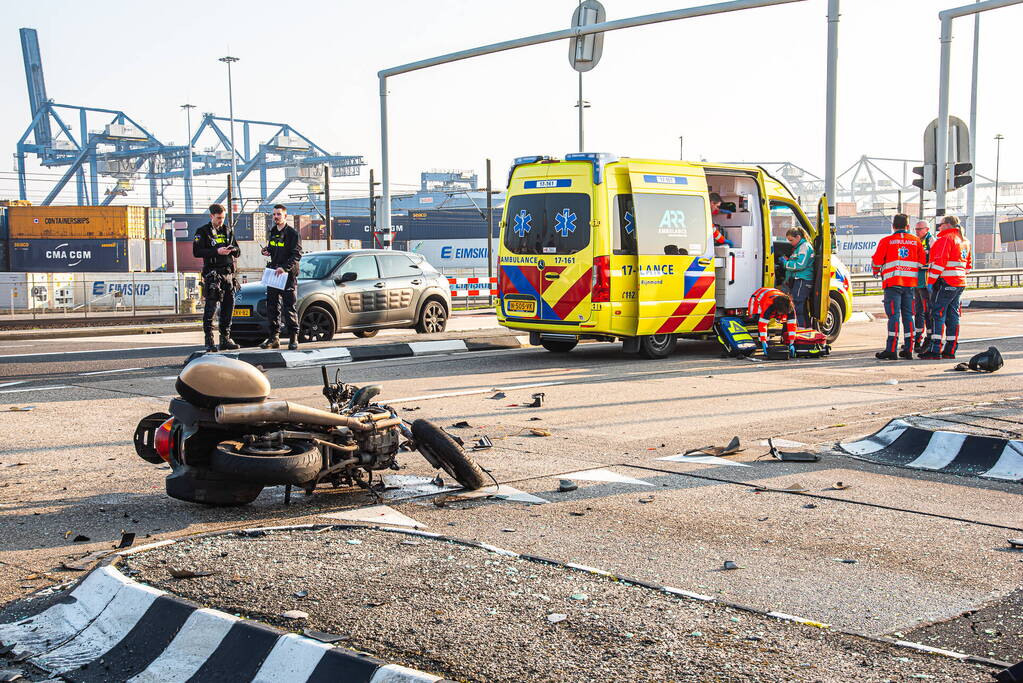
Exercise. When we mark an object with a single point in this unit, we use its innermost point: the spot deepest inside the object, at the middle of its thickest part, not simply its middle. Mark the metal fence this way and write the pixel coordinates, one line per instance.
(991, 277)
(68, 295)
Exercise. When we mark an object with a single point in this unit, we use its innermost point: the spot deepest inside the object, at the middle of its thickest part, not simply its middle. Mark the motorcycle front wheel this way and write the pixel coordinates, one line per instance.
(448, 453)
(297, 462)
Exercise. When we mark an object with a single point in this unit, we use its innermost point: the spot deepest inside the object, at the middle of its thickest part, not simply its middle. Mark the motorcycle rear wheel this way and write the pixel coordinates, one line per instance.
(448, 453)
(298, 463)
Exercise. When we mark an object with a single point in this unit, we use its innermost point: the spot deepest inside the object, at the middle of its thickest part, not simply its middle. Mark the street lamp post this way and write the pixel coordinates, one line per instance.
(998, 164)
(230, 105)
(188, 159)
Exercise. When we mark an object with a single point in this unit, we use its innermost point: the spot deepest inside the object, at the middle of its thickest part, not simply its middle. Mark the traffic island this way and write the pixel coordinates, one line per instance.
(471, 611)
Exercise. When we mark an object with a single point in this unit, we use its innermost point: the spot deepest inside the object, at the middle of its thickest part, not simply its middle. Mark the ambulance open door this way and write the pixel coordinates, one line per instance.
(822, 247)
(675, 256)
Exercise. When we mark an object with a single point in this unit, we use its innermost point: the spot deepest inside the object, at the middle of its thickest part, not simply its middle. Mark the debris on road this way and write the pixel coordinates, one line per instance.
(461, 424)
(555, 618)
(482, 443)
(20, 409)
(729, 565)
(537, 401)
(498, 396)
(794, 488)
(301, 594)
(294, 614)
(791, 456)
(1016, 543)
(539, 432)
(566, 485)
(188, 573)
(127, 539)
(329, 638)
(891, 382)
(838, 486)
(731, 449)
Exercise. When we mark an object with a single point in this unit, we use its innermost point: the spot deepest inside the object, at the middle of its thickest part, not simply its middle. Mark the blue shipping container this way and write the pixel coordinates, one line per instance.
(421, 225)
(4, 258)
(248, 226)
(65, 256)
(3, 223)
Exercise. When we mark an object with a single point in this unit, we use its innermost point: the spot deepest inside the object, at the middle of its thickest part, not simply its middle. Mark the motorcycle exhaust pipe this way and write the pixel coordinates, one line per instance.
(285, 411)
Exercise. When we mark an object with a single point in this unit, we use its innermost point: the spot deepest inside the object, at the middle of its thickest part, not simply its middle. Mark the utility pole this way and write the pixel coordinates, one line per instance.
(490, 232)
(372, 213)
(326, 202)
(230, 203)
(188, 159)
(230, 104)
(681, 153)
(831, 108)
(971, 189)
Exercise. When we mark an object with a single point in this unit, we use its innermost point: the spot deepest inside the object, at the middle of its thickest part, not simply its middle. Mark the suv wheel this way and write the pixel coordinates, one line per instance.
(433, 318)
(317, 325)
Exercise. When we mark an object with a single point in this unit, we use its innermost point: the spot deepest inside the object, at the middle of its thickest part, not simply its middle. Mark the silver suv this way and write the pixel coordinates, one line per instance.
(360, 291)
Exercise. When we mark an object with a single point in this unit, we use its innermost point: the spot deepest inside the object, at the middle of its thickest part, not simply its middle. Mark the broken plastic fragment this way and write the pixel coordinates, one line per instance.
(729, 565)
(537, 401)
(295, 614)
(188, 573)
(566, 485)
(555, 618)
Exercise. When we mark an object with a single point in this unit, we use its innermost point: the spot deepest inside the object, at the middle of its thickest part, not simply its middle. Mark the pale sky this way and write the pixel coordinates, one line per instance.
(742, 86)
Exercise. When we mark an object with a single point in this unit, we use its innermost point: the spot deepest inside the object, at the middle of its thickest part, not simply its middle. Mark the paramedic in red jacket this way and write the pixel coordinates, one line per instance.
(898, 260)
(768, 303)
(951, 260)
(716, 210)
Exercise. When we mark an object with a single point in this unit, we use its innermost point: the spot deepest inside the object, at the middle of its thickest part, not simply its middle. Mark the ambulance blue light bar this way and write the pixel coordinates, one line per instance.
(520, 161)
(598, 159)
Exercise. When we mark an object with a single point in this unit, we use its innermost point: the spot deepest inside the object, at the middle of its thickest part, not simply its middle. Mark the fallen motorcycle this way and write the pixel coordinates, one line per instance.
(225, 441)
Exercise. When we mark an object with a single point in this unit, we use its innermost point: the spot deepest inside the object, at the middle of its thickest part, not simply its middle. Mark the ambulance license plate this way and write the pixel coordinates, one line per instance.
(241, 313)
(520, 306)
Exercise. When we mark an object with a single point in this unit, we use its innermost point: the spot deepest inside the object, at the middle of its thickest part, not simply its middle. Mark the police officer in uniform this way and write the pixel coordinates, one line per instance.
(215, 244)
(284, 248)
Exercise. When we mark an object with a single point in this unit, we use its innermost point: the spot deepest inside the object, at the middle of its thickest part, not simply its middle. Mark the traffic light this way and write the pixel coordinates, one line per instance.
(926, 180)
(960, 175)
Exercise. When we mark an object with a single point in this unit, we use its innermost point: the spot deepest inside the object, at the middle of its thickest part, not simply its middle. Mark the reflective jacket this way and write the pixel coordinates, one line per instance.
(719, 237)
(206, 242)
(951, 258)
(758, 305)
(799, 266)
(285, 248)
(898, 259)
(927, 240)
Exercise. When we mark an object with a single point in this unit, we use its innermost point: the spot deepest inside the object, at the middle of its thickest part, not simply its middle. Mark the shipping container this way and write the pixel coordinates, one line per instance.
(314, 230)
(5, 260)
(248, 226)
(3, 223)
(155, 218)
(70, 255)
(420, 225)
(185, 260)
(27, 291)
(157, 250)
(77, 222)
(15, 202)
(141, 290)
(986, 244)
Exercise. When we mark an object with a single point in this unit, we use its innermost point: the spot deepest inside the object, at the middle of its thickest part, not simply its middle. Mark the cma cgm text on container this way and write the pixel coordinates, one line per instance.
(72, 255)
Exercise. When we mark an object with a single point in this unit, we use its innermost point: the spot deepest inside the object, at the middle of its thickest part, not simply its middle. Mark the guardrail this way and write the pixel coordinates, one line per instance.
(991, 277)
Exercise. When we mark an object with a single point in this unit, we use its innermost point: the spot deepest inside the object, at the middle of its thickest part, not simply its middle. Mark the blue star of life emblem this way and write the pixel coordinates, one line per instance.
(564, 222)
(523, 223)
(630, 226)
(903, 252)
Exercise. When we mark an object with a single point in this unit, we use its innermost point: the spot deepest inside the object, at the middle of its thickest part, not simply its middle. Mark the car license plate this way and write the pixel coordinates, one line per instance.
(241, 313)
(520, 306)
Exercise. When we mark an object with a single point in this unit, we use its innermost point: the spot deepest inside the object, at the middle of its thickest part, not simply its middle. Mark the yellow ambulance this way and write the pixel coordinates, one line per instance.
(599, 247)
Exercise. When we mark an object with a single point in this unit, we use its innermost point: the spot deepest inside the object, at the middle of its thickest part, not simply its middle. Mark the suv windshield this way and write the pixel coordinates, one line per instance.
(317, 266)
(549, 223)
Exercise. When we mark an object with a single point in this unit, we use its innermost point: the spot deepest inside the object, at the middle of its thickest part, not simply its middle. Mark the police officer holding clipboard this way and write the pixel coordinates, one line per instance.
(284, 248)
(215, 244)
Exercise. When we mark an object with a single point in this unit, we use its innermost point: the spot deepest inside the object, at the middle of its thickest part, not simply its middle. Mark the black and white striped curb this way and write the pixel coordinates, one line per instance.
(903, 444)
(397, 674)
(112, 628)
(353, 354)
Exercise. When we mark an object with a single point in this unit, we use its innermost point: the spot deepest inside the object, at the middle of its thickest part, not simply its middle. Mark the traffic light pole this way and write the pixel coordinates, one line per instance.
(941, 151)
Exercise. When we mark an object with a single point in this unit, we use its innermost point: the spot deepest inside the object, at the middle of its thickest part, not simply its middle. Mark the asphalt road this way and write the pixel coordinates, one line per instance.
(928, 546)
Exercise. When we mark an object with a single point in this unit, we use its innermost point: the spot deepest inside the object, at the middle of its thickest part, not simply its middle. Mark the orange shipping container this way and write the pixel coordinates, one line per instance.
(77, 222)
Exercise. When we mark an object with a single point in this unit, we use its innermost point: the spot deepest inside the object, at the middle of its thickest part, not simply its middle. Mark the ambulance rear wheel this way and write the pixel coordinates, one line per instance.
(558, 346)
(656, 346)
(833, 322)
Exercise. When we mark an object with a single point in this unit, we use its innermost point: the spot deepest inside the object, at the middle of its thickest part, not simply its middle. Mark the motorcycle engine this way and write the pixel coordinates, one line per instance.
(380, 444)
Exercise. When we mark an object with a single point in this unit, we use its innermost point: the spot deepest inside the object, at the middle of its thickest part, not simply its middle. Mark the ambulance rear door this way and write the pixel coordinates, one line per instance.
(822, 270)
(675, 260)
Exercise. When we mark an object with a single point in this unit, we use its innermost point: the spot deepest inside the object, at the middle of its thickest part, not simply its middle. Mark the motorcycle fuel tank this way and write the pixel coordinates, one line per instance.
(211, 380)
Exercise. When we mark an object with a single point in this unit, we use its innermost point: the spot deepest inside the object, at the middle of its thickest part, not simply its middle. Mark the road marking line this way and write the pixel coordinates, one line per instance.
(11, 384)
(75, 353)
(106, 372)
(18, 391)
